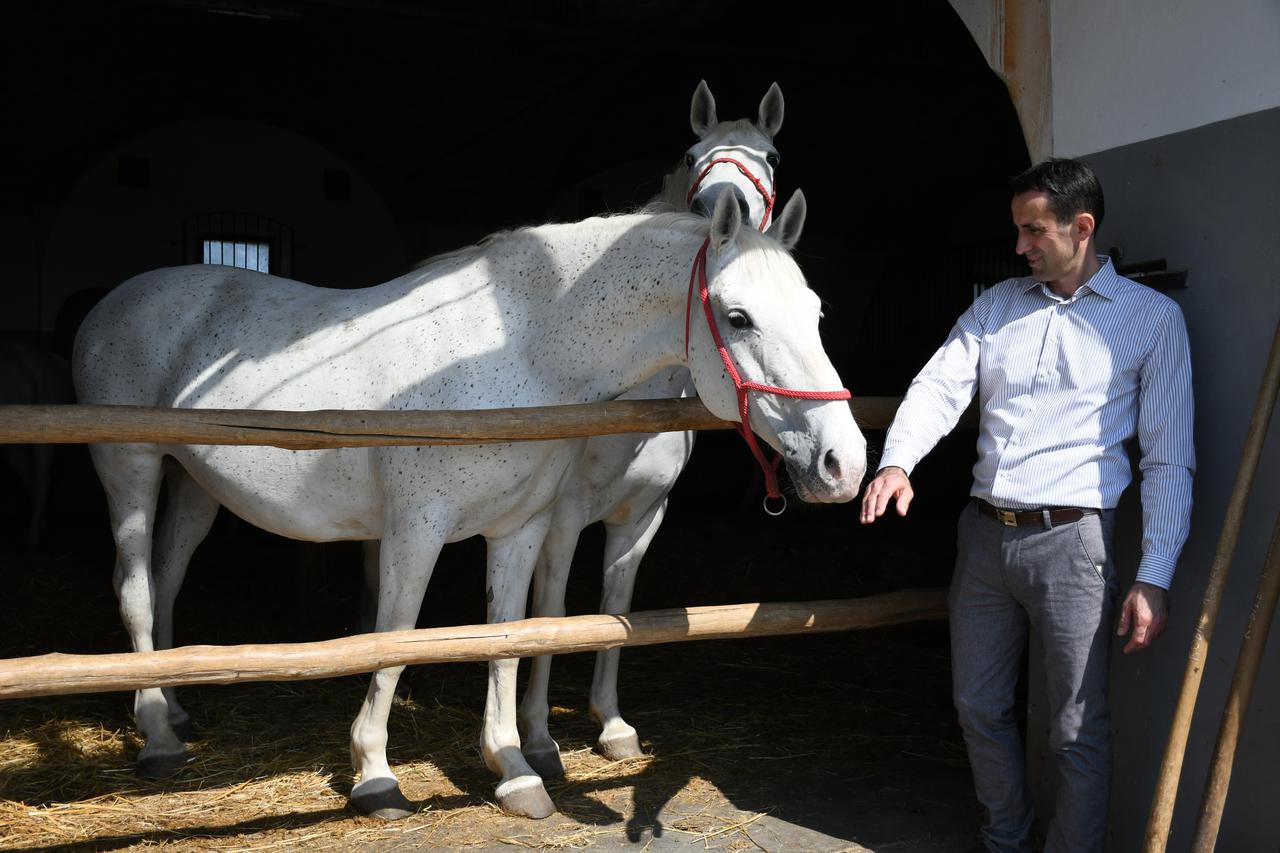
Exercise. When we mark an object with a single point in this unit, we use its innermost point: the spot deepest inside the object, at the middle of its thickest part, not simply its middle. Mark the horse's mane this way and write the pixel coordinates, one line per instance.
(671, 197)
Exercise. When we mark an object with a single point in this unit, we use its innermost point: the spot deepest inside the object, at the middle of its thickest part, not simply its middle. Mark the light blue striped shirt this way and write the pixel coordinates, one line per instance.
(1062, 384)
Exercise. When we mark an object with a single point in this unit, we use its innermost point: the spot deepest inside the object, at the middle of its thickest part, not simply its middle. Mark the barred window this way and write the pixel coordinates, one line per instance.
(246, 256)
(239, 240)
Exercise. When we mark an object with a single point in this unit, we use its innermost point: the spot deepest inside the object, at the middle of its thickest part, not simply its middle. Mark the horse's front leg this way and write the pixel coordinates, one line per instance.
(549, 582)
(407, 556)
(624, 548)
(511, 562)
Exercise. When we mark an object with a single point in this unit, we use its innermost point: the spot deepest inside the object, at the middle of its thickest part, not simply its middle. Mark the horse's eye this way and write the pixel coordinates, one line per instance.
(689, 160)
(773, 159)
(739, 319)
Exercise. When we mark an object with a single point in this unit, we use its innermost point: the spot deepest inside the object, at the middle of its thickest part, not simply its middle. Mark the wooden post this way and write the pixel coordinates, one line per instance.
(1255, 641)
(1166, 793)
(59, 674)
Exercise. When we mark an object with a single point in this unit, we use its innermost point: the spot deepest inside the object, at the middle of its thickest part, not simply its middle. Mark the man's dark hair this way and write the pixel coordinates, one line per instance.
(1071, 185)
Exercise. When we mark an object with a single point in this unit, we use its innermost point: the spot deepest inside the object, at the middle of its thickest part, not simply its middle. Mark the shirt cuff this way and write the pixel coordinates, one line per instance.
(895, 458)
(1156, 570)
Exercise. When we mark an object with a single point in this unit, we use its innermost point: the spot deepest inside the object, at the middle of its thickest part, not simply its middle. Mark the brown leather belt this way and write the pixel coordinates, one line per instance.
(1034, 517)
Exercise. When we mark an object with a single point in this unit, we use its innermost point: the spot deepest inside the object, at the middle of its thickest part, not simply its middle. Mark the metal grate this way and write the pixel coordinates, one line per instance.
(246, 256)
(239, 240)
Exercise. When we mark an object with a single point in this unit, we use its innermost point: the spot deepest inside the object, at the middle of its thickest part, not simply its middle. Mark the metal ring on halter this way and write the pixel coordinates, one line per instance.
(781, 509)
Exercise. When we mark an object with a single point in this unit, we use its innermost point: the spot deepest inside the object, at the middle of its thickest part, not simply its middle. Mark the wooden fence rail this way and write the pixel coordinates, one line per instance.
(316, 430)
(59, 674)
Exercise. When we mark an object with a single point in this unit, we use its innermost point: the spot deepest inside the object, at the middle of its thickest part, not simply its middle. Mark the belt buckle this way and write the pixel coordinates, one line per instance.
(1007, 517)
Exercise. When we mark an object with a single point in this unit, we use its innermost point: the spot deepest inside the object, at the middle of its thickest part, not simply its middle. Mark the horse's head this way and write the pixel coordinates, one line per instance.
(716, 163)
(767, 319)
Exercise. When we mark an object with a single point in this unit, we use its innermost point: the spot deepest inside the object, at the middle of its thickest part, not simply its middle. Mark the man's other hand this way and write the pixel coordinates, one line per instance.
(1145, 610)
(890, 484)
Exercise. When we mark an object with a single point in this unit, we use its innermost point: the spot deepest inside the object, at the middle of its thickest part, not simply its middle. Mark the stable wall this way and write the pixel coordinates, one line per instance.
(1208, 200)
(1175, 104)
(1128, 71)
(104, 232)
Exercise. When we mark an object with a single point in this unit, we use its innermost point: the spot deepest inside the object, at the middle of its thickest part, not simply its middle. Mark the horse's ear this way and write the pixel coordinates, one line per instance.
(702, 112)
(770, 119)
(726, 220)
(789, 223)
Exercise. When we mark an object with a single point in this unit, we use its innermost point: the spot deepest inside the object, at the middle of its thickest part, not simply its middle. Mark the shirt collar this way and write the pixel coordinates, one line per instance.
(1105, 282)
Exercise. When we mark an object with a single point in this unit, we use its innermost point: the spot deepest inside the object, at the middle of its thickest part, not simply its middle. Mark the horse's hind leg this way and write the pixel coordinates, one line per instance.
(625, 546)
(130, 475)
(511, 562)
(189, 512)
(550, 578)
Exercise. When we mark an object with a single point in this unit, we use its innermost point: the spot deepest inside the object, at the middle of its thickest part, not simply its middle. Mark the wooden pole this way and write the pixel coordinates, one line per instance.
(317, 430)
(59, 674)
(1162, 802)
(1246, 675)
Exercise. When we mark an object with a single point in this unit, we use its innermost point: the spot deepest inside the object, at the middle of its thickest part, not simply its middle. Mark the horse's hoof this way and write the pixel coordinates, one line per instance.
(546, 763)
(620, 747)
(186, 731)
(524, 796)
(381, 798)
(161, 766)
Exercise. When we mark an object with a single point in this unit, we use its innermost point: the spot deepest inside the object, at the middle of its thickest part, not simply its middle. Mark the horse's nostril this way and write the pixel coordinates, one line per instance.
(832, 463)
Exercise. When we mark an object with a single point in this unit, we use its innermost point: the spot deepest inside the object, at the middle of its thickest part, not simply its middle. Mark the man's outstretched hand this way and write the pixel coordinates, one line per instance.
(890, 484)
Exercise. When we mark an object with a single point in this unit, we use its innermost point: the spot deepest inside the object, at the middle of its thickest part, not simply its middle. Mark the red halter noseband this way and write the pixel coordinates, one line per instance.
(740, 386)
(769, 197)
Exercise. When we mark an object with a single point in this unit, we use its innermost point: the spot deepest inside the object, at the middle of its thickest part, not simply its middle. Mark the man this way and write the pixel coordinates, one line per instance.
(1067, 364)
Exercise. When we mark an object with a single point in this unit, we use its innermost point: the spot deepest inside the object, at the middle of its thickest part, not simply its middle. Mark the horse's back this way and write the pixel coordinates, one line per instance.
(157, 326)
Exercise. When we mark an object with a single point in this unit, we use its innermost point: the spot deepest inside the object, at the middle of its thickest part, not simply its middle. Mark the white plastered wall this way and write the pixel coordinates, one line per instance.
(1098, 74)
(1129, 70)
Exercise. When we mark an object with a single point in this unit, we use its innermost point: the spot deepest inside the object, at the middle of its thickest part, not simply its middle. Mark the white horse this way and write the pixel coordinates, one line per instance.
(540, 316)
(623, 480)
(717, 161)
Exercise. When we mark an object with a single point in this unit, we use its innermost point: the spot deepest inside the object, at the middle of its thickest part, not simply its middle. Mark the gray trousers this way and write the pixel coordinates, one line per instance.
(1062, 581)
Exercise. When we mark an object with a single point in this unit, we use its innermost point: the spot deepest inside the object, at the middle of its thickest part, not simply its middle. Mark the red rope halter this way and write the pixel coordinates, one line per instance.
(769, 197)
(741, 387)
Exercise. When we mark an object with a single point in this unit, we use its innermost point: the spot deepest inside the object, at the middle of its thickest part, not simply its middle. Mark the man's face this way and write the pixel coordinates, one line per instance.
(1053, 249)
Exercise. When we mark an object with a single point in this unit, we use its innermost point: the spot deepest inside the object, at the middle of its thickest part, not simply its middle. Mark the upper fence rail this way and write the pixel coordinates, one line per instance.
(321, 429)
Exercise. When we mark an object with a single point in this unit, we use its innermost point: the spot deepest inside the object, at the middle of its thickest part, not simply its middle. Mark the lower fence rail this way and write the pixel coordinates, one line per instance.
(62, 674)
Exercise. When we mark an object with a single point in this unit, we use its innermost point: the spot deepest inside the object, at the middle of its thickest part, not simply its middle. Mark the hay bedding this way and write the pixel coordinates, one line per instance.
(272, 771)
(271, 774)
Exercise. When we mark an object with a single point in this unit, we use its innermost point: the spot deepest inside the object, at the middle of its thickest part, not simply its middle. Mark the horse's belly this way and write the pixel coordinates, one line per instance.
(314, 495)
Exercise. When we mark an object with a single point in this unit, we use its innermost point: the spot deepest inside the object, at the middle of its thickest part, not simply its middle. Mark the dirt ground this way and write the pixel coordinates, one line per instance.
(824, 743)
